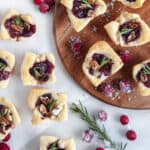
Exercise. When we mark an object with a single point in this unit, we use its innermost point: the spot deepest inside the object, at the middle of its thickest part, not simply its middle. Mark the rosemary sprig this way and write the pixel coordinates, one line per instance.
(51, 105)
(146, 69)
(104, 61)
(93, 125)
(53, 146)
(126, 31)
(86, 3)
(18, 21)
(36, 72)
(2, 66)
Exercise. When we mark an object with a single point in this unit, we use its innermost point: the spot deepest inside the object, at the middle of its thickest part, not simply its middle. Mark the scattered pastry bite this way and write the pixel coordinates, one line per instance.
(128, 30)
(38, 69)
(141, 74)
(16, 26)
(7, 63)
(47, 105)
(53, 143)
(81, 12)
(101, 62)
(133, 3)
(9, 117)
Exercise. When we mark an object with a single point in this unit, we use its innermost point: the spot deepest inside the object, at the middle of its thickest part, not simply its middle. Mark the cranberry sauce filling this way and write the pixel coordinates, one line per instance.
(46, 104)
(144, 75)
(130, 31)
(41, 71)
(55, 146)
(101, 64)
(5, 119)
(83, 8)
(4, 75)
(131, 0)
(18, 27)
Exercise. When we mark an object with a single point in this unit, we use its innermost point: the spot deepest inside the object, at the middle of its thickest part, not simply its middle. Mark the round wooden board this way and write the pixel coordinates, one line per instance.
(63, 32)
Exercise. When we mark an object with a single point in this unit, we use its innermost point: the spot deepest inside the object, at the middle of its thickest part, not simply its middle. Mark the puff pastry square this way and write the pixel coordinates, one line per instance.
(128, 30)
(80, 23)
(46, 142)
(47, 105)
(101, 62)
(133, 3)
(21, 26)
(38, 69)
(9, 117)
(7, 64)
(141, 74)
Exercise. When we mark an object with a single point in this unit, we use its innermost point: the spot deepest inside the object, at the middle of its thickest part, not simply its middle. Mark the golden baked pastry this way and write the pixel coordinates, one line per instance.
(38, 69)
(47, 105)
(101, 62)
(81, 12)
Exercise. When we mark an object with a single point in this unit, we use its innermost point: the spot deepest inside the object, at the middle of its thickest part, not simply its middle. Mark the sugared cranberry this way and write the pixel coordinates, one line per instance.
(4, 146)
(125, 86)
(44, 8)
(75, 45)
(102, 115)
(131, 135)
(125, 56)
(7, 138)
(38, 2)
(107, 89)
(99, 148)
(88, 136)
(124, 119)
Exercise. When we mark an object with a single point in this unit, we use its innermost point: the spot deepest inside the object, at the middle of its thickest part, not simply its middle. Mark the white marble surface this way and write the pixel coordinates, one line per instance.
(26, 137)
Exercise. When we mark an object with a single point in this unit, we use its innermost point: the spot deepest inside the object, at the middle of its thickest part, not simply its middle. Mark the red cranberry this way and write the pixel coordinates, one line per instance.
(125, 56)
(49, 2)
(102, 115)
(7, 138)
(124, 119)
(44, 8)
(125, 86)
(4, 146)
(131, 135)
(99, 148)
(38, 2)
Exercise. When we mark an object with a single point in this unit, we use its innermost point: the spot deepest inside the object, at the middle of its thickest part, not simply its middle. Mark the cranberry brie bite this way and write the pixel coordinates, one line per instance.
(47, 105)
(128, 30)
(101, 62)
(81, 12)
(53, 143)
(7, 63)
(141, 74)
(9, 117)
(132, 3)
(16, 26)
(38, 69)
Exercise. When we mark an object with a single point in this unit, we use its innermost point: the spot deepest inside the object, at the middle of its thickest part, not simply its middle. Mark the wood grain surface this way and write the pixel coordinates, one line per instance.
(63, 32)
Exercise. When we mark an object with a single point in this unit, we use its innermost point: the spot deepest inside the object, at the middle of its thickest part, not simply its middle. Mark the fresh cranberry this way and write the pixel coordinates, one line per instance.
(7, 138)
(124, 119)
(125, 86)
(131, 135)
(102, 115)
(49, 2)
(107, 89)
(125, 56)
(99, 148)
(38, 2)
(44, 8)
(4, 146)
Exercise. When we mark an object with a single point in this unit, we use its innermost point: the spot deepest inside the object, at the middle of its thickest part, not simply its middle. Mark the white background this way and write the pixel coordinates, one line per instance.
(26, 137)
